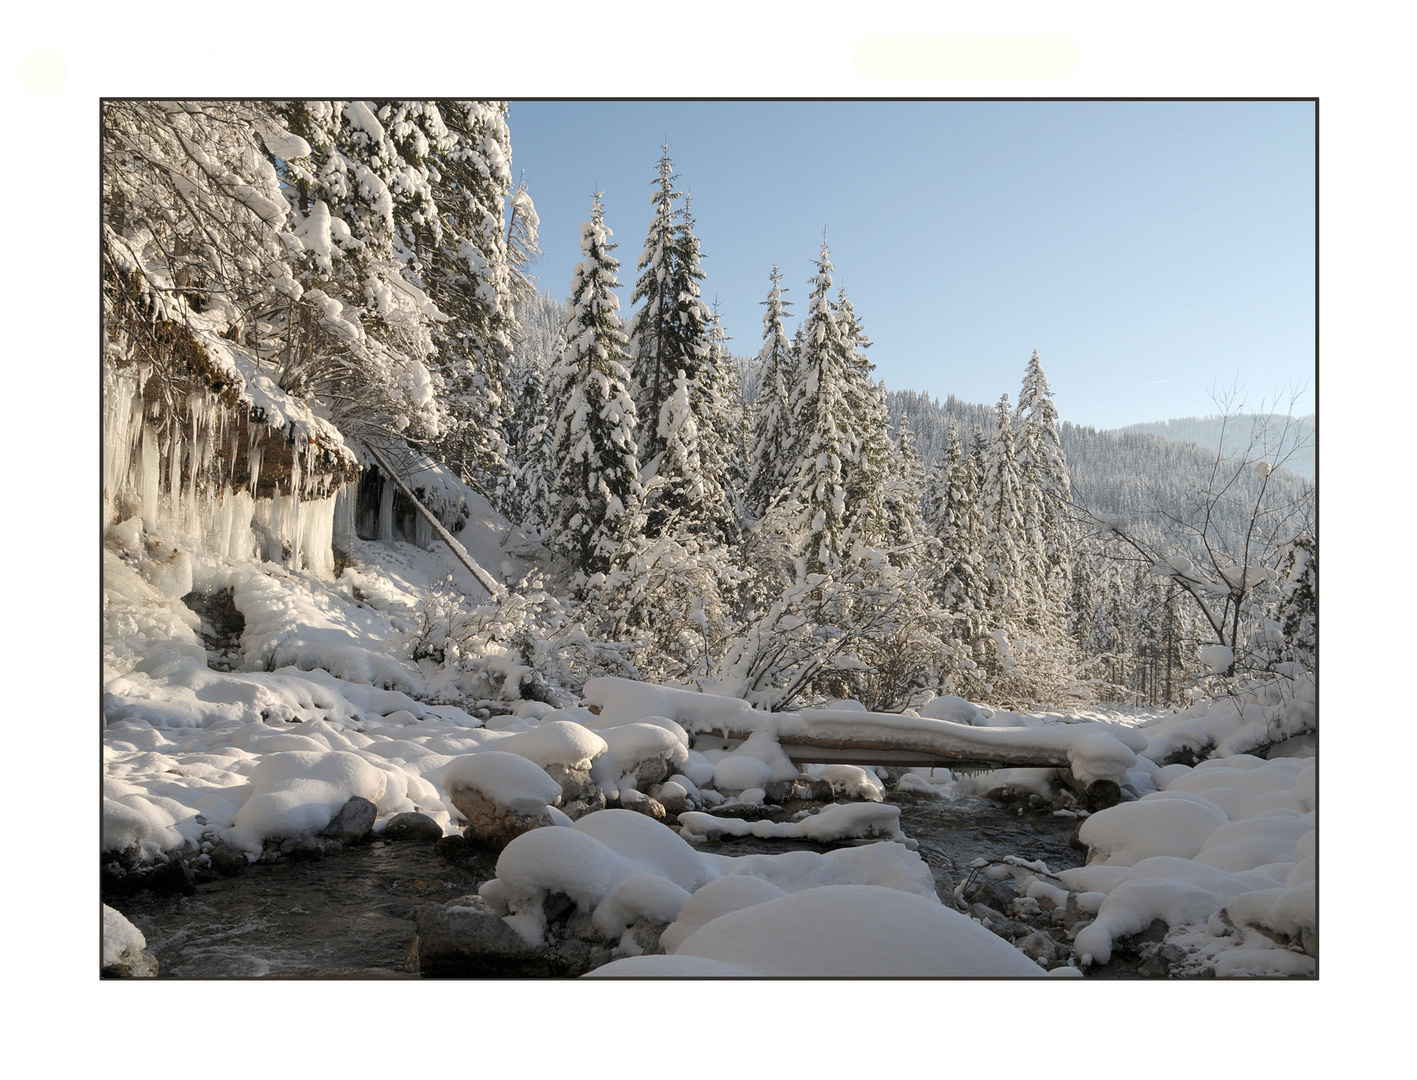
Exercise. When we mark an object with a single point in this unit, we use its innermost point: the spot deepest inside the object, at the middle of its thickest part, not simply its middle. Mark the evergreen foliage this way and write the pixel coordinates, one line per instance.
(596, 463)
(780, 527)
(773, 433)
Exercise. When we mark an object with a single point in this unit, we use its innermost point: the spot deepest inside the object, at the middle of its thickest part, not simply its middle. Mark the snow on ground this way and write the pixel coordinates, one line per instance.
(328, 701)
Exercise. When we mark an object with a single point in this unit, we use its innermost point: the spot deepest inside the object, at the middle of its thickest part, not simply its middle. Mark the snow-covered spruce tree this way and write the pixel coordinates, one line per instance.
(473, 276)
(697, 506)
(903, 497)
(667, 330)
(724, 432)
(869, 520)
(672, 333)
(847, 621)
(772, 453)
(1046, 489)
(957, 523)
(362, 341)
(526, 490)
(1001, 502)
(1009, 591)
(1047, 492)
(665, 593)
(1029, 659)
(523, 242)
(530, 430)
(596, 462)
(676, 485)
(672, 585)
(822, 416)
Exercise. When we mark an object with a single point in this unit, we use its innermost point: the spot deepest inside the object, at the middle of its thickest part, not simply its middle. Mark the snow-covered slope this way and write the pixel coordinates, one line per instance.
(338, 687)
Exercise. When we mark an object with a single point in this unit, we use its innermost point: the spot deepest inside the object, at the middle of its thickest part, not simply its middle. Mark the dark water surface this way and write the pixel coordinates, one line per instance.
(351, 915)
(346, 916)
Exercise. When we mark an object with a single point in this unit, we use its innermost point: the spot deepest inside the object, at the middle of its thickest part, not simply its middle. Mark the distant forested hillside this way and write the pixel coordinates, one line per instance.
(1131, 473)
(1208, 431)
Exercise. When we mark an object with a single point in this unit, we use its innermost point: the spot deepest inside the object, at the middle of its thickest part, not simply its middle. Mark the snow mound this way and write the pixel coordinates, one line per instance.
(295, 794)
(119, 936)
(511, 781)
(1176, 891)
(654, 845)
(837, 931)
(1157, 824)
(556, 742)
(644, 896)
(629, 744)
(718, 897)
(956, 710)
(832, 824)
(889, 865)
(738, 772)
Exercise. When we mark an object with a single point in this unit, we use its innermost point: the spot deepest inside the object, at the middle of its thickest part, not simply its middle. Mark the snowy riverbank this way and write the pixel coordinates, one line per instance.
(1216, 861)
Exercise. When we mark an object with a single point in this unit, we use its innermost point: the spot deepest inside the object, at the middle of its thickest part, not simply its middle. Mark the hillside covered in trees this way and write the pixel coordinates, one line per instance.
(1220, 434)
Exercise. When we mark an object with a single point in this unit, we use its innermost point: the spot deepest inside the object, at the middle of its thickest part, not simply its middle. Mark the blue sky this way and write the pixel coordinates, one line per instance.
(1150, 251)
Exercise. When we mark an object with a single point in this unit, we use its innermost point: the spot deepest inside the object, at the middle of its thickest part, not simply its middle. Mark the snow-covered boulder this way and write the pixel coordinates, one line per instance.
(849, 781)
(1162, 823)
(467, 939)
(833, 824)
(501, 796)
(837, 931)
(566, 751)
(1176, 891)
(555, 742)
(295, 794)
(638, 755)
(125, 954)
(954, 709)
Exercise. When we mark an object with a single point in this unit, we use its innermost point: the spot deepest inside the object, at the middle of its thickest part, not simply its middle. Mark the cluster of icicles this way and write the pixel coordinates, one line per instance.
(172, 470)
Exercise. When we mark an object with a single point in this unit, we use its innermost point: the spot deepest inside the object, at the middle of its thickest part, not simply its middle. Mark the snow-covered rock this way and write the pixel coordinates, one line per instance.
(840, 931)
(124, 949)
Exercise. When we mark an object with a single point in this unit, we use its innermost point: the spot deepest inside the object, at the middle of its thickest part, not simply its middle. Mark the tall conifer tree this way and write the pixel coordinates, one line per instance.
(772, 457)
(597, 465)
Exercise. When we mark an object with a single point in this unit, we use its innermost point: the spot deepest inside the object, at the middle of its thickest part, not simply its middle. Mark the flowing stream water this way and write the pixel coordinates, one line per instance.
(350, 915)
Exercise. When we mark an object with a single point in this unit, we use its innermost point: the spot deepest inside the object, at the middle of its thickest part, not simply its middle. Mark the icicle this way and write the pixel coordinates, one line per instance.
(386, 512)
(174, 476)
(343, 529)
(195, 411)
(317, 535)
(149, 477)
(295, 510)
(121, 432)
(254, 456)
(237, 514)
(231, 458)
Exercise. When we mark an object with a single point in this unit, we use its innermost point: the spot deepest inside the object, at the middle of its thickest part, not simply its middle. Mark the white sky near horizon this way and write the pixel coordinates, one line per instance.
(1152, 251)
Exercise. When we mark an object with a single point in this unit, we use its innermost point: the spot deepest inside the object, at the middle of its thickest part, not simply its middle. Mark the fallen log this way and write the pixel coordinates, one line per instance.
(486, 580)
(1093, 758)
(804, 750)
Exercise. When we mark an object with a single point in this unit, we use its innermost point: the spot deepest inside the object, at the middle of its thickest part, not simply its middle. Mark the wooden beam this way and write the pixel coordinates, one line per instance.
(486, 580)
